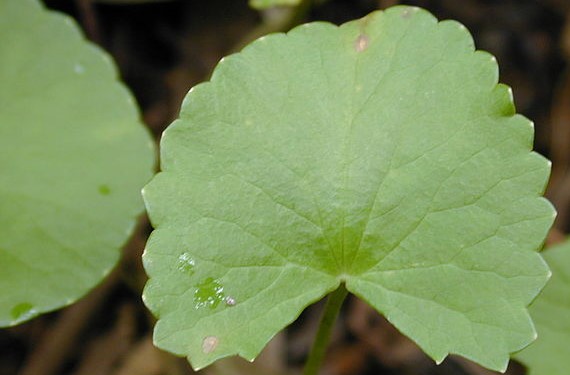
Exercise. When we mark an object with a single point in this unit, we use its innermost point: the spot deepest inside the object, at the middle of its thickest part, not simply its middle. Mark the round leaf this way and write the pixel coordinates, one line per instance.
(73, 159)
(550, 353)
(381, 154)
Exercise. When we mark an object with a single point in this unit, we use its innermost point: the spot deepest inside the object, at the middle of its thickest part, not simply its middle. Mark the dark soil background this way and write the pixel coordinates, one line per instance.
(163, 48)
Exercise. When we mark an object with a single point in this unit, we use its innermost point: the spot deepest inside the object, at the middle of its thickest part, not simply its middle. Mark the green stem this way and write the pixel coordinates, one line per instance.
(299, 15)
(332, 308)
(295, 17)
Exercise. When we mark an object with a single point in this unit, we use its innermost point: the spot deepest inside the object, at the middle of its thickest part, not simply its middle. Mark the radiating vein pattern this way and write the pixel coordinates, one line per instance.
(382, 153)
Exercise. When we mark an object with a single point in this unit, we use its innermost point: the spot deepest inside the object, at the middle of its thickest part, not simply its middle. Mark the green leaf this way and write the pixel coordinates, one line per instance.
(382, 154)
(550, 354)
(73, 159)
(264, 4)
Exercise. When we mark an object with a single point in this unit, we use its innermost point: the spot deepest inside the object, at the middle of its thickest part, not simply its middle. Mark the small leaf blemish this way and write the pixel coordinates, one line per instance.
(104, 190)
(22, 311)
(79, 69)
(407, 13)
(361, 43)
(230, 301)
(209, 344)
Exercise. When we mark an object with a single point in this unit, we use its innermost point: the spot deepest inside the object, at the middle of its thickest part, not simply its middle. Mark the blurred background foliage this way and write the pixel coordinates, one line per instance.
(163, 48)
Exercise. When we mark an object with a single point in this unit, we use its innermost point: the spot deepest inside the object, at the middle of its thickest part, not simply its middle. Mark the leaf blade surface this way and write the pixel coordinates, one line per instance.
(74, 156)
(550, 354)
(381, 153)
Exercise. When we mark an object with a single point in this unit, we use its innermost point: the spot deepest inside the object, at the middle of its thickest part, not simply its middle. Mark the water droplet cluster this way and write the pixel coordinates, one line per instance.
(186, 263)
(209, 293)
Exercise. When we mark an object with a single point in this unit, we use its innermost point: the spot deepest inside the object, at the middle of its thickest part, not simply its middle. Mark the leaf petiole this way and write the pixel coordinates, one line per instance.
(332, 308)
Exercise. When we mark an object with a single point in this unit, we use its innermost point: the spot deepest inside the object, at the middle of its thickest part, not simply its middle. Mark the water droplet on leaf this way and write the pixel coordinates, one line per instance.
(186, 263)
(209, 293)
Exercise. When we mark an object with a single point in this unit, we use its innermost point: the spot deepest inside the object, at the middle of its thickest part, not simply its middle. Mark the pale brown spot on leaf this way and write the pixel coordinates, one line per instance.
(409, 12)
(209, 344)
(361, 43)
